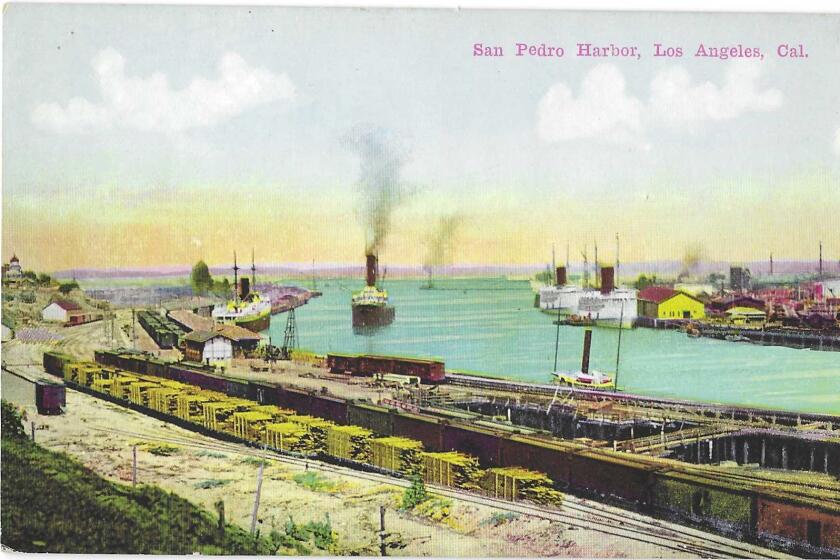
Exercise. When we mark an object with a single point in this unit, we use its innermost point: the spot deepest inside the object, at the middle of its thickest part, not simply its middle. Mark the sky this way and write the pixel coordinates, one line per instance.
(142, 136)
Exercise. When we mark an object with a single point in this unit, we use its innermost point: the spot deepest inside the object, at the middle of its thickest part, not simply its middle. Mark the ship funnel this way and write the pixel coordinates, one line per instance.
(607, 279)
(587, 344)
(560, 276)
(372, 265)
(244, 287)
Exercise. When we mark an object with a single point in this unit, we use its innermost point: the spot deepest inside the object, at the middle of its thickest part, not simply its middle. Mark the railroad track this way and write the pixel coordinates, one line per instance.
(711, 412)
(574, 512)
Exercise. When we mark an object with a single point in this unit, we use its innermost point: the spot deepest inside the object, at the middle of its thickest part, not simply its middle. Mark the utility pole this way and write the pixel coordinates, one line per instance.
(133, 330)
(257, 495)
(618, 350)
(771, 264)
(553, 263)
(134, 465)
(382, 550)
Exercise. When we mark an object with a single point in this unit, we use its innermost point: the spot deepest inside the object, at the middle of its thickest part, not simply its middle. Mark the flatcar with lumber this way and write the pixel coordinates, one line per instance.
(803, 519)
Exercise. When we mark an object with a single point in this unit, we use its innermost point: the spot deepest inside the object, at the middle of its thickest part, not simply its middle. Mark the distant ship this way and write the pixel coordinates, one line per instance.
(370, 305)
(248, 309)
(608, 306)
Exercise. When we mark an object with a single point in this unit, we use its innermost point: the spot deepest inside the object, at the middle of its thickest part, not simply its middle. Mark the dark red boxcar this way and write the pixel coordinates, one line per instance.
(422, 428)
(50, 398)
(478, 442)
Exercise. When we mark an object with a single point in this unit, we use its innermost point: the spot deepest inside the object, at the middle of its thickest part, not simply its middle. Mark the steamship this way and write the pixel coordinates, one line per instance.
(606, 306)
(248, 309)
(370, 304)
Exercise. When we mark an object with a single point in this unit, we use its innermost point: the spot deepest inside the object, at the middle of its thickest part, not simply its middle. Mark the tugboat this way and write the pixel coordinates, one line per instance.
(370, 304)
(247, 309)
(585, 379)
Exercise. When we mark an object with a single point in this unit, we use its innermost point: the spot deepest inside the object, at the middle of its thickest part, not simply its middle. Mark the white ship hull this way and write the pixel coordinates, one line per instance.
(616, 307)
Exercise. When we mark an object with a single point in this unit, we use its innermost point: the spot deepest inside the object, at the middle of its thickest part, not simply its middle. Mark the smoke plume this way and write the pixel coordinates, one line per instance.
(382, 189)
(693, 256)
(441, 240)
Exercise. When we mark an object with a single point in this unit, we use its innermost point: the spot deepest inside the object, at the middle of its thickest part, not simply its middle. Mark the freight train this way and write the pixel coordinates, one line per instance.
(164, 331)
(803, 519)
(429, 371)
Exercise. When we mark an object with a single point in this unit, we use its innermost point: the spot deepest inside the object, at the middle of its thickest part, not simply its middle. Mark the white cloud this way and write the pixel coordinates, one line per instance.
(149, 104)
(605, 110)
(602, 108)
(676, 100)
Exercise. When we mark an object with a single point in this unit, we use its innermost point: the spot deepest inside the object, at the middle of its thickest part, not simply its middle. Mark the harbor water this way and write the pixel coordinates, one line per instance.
(490, 326)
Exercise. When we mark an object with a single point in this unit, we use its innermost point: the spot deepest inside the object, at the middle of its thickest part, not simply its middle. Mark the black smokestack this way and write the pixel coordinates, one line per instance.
(587, 343)
(560, 275)
(607, 279)
(372, 265)
(244, 287)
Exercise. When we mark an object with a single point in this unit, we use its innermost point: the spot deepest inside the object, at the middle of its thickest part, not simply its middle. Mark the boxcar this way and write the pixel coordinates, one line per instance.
(787, 522)
(481, 443)
(50, 397)
(429, 371)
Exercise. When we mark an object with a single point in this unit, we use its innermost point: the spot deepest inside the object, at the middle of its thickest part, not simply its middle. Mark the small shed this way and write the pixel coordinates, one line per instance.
(59, 310)
(745, 316)
(220, 344)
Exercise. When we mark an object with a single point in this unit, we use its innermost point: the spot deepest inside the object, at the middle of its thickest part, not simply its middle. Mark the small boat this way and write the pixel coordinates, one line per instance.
(586, 380)
(736, 338)
(577, 321)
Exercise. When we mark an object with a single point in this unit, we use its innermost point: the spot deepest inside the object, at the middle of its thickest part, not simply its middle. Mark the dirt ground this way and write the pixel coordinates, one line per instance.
(92, 430)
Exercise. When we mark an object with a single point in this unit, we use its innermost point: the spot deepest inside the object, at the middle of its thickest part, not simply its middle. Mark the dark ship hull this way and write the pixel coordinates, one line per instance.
(372, 316)
(257, 324)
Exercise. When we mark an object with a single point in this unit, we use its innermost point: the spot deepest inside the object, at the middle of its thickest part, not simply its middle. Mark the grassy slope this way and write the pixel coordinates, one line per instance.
(52, 503)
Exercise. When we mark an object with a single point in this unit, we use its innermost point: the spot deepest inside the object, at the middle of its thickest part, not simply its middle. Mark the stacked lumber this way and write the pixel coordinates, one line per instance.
(138, 392)
(397, 454)
(191, 406)
(315, 439)
(349, 442)
(102, 385)
(250, 424)
(286, 436)
(452, 468)
(515, 483)
(164, 399)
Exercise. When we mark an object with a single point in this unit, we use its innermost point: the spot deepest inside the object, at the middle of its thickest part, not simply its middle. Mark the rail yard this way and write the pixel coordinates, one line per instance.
(763, 477)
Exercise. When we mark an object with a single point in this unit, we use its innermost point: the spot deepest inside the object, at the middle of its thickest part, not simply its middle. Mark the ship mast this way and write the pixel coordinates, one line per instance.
(617, 262)
(235, 279)
(253, 271)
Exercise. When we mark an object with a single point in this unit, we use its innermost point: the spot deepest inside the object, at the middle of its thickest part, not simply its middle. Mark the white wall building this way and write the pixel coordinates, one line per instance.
(59, 311)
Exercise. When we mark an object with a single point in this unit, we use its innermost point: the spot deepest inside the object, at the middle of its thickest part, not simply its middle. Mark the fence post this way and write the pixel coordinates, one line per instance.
(32, 429)
(134, 465)
(257, 498)
(382, 550)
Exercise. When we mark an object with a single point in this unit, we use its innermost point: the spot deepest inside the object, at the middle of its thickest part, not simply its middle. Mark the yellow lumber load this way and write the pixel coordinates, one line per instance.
(307, 358)
(164, 399)
(286, 436)
(122, 384)
(138, 392)
(90, 374)
(277, 413)
(190, 406)
(250, 424)
(76, 372)
(397, 454)
(452, 469)
(102, 386)
(218, 415)
(349, 442)
(515, 483)
(315, 439)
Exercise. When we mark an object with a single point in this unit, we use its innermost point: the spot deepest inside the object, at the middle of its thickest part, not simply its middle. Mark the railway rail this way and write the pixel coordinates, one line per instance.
(574, 512)
(708, 410)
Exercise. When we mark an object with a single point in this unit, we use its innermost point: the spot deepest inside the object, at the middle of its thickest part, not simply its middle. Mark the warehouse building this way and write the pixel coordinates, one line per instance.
(221, 344)
(659, 302)
(60, 310)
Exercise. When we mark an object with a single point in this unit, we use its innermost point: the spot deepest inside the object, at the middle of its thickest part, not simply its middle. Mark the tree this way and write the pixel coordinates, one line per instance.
(44, 279)
(414, 494)
(68, 287)
(200, 278)
(643, 281)
(30, 274)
